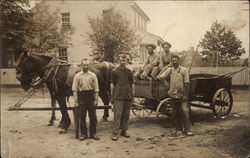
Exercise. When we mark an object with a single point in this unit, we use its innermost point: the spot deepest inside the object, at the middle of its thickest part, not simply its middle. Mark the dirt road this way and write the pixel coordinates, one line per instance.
(25, 134)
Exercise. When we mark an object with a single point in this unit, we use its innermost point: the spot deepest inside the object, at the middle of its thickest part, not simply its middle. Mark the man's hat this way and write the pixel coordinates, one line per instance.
(166, 43)
(151, 45)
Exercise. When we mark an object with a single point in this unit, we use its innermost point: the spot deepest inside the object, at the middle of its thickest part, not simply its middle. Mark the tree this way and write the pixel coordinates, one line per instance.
(46, 34)
(220, 46)
(110, 35)
(14, 25)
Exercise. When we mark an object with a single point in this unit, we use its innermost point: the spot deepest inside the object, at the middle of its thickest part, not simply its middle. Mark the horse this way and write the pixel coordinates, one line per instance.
(54, 73)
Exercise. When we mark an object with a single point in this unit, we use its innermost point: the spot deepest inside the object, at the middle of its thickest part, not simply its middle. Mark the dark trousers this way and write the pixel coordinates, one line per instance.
(86, 104)
(121, 115)
(181, 114)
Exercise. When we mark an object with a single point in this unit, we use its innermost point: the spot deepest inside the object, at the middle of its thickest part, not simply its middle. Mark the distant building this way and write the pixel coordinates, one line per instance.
(76, 14)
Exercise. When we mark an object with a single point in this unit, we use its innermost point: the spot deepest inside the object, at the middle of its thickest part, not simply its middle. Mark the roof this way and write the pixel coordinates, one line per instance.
(152, 35)
(140, 11)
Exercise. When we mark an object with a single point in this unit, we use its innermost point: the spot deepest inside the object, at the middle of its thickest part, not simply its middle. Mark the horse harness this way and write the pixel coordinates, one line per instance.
(51, 70)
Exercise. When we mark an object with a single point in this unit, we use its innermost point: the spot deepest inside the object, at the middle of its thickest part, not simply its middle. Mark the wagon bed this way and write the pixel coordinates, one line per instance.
(206, 91)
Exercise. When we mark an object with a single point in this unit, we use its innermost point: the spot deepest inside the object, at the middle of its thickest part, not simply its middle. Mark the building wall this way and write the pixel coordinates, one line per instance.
(79, 13)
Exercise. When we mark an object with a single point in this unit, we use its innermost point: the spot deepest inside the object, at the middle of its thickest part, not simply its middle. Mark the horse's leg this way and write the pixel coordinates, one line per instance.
(65, 116)
(53, 105)
(53, 115)
(105, 100)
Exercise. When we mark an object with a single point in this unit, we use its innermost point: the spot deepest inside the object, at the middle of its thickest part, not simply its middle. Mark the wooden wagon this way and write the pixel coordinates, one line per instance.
(206, 91)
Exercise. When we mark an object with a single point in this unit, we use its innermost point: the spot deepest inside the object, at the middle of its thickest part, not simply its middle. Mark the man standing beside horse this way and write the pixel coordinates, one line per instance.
(85, 91)
(122, 92)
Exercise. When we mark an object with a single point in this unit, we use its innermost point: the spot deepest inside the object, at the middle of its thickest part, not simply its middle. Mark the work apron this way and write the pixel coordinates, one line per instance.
(176, 85)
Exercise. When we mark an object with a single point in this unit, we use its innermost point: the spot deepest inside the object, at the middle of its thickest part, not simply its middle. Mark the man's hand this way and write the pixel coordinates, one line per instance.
(76, 104)
(185, 98)
(112, 104)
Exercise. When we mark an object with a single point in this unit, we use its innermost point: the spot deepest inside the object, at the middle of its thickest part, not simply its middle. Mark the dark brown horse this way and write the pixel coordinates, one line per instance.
(55, 74)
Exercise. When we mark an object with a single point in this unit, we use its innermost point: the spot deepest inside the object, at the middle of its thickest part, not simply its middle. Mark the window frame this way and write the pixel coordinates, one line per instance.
(63, 54)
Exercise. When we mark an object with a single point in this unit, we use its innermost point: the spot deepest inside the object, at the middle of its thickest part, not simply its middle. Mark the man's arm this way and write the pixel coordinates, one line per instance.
(74, 89)
(112, 81)
(146, 62)
(111, 93)
(155, 61)
(96, 89)
(133, 91)
(75, 98)
(186, 84)
(161, 61)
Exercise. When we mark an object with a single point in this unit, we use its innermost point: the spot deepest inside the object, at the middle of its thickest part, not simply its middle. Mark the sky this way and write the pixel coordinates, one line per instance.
(184, 23)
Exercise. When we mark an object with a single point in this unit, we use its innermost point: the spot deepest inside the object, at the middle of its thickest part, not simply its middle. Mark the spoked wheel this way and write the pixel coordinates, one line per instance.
(139, 108)
(222, 103)
(164, 108)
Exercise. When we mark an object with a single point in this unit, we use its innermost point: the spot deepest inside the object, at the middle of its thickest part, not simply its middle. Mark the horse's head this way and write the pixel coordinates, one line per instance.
(27, 70)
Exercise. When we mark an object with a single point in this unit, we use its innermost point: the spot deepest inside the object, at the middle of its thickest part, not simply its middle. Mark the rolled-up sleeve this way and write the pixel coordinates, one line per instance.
(96, 86)
(75, 84)
(186, 75)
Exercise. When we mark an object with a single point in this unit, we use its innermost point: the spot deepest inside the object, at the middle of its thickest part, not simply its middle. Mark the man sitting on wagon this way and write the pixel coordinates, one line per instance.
(179, 88)
(165, 58)
(151, 62)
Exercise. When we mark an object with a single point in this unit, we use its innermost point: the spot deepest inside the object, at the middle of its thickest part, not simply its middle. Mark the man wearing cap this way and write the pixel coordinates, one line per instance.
(179, 87)
(165, 58)
(122, 92)
(85, 91)
(151, 62)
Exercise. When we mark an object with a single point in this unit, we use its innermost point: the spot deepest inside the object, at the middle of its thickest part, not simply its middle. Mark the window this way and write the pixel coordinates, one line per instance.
(65, 20)
(63, 54)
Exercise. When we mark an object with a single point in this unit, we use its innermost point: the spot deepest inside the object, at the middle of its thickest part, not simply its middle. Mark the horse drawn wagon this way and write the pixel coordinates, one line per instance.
(206, 91)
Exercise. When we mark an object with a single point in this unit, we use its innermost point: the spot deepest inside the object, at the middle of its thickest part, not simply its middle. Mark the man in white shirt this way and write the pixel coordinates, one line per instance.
(85, 91)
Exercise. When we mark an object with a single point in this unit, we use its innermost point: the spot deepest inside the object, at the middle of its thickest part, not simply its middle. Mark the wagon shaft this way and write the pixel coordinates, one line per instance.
(49, 109)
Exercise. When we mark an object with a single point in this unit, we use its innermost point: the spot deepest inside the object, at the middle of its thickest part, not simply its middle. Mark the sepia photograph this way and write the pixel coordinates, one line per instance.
(124, 79)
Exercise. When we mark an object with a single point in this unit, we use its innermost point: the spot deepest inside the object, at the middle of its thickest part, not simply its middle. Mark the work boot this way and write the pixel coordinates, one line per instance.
(125, 134)
(82, 137)
(114, 137)
(189, 133)
(95, 137)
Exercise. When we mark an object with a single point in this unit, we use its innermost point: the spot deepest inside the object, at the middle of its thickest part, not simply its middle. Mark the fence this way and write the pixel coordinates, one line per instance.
(239, 79)
(8, 76)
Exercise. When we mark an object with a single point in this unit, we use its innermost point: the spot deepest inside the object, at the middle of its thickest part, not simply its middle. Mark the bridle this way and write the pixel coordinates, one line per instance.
(48, 69)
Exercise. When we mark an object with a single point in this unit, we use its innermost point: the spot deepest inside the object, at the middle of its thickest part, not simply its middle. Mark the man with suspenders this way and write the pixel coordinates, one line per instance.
(179, 87)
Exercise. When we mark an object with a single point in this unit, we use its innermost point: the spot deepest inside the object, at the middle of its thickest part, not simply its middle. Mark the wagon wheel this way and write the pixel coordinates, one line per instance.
(222, 102)
(139, 109)
(164, 108)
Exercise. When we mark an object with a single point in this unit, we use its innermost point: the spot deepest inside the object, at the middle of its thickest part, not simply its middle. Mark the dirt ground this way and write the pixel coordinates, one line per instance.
(25, 134)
